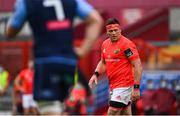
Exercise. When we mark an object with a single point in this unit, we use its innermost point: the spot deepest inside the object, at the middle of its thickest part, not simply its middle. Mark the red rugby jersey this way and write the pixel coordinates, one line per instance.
(27, 76)
(118, 56)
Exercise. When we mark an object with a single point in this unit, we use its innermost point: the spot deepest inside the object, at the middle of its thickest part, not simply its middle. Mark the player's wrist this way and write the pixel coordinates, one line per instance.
(136, 85)
(96, 73)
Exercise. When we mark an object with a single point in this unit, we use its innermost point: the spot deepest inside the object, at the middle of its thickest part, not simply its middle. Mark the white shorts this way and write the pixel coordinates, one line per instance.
(28, 101)
(122, 95)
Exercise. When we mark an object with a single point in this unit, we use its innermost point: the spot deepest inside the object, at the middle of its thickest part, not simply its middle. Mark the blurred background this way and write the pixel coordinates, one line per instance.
(153, 25)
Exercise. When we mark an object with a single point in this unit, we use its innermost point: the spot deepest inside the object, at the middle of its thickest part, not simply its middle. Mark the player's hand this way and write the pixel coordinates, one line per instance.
(135, 95)
(21, 89)
(79, 52)
(92, 81)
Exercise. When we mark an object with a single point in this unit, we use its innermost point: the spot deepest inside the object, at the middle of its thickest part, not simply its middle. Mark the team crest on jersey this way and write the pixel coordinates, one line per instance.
(116, 51)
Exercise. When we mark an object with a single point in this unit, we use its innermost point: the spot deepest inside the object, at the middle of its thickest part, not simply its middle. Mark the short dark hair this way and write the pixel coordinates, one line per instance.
(112, 21)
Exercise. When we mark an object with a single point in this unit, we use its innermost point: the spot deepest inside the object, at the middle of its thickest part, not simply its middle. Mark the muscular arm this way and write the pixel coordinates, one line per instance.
(101, 67)
(137, 70)
(18, 84)
(94, 24)
(17, 20)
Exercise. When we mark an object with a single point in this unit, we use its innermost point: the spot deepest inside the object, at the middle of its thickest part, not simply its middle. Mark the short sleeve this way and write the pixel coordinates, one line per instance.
(83, 8)
(130, 51)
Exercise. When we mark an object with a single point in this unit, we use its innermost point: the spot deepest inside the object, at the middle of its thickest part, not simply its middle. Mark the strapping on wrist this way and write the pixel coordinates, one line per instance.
(136, 86)
(96, 73)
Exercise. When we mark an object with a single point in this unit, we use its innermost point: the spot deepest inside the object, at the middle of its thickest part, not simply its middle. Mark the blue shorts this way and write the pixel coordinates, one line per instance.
(53, 80)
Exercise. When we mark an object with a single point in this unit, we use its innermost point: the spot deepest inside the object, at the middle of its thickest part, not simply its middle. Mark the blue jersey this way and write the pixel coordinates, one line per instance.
(51, 23)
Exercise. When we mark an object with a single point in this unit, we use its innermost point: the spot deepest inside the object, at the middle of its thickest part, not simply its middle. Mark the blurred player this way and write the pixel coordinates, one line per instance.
(148, 98)
(17, 108)
(24, 82)
(119, 59)
(4, 81)
(164, 99)
(75, 104)
(52, 24)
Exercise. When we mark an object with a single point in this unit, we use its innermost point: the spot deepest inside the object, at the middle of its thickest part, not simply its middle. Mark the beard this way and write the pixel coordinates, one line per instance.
(114, 39)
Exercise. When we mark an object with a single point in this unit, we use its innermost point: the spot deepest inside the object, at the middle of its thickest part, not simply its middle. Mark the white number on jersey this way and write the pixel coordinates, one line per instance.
(58, 7)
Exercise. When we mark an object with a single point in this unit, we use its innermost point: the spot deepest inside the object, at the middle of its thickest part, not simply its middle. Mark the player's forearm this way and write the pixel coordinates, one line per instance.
(137, 71)
(100, 67)
(93, 29)
(137, 75)
(17, 83)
